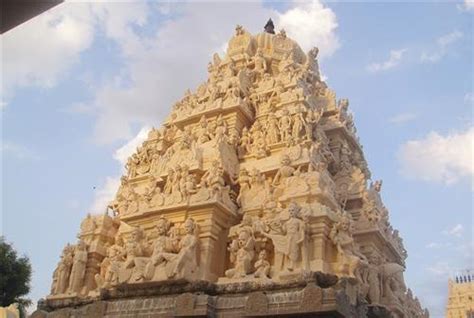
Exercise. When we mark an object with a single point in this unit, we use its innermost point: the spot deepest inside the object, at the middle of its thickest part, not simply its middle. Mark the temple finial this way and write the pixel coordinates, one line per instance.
(269, 27)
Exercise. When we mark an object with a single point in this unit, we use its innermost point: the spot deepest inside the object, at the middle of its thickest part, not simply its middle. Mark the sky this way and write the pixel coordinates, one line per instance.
(82, 83)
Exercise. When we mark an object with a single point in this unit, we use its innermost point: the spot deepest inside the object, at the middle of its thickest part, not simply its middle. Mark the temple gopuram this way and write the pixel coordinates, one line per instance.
(461, 296)
(252, 199)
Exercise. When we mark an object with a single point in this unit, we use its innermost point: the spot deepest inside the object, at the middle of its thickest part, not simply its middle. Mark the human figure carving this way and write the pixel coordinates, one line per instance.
(341, 236)
(311, 120)
(374, 279)
(273, 134)
(202, 132)
(312, 65)
(78, 270)
(183, 260)
(110, 267)
(299, 125)
(242, 252)
(245, 142)
(290, 242)
(213, 179)
(285, 125)
(262, 265)
(63, 271)
(135, 258)
(260, 65)
(285, 171)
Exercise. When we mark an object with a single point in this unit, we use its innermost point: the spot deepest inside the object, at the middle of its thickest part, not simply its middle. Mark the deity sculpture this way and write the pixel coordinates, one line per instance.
(285, 171)
(341, 235)
(161, 244)
(285, 125)
(78, 270)
(262, 265)
(273, 134)
(289, 242)
(260, 65)
(202, 131)
(374, 279)
(110, 267)
(213, 179)
(311, 120)
(135, 258)
(312, 65)
(242, 252)
(187, 257)
(220, 134)
(63, 271)
(299, 125)
(181, 259)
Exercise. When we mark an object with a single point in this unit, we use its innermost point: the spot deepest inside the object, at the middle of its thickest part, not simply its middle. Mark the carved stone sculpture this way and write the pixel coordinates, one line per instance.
(341, 236)
(289, 242)
(78, 270)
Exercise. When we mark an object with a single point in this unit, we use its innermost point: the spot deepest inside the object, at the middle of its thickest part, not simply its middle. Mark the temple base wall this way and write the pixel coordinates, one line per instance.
(304, 297)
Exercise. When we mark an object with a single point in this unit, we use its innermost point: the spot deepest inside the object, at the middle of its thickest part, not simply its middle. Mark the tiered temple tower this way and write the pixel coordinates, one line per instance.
(461, 296)
(253, 199)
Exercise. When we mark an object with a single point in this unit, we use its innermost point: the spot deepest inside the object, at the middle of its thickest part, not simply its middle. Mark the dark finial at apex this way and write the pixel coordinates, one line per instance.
(269, 27)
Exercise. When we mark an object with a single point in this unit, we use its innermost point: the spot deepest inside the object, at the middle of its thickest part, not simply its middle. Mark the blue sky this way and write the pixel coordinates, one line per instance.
(81, 83)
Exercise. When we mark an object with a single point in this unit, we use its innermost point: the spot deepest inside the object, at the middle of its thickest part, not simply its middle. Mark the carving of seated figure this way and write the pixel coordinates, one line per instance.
(182, 261)
(110, 268)
(242, 252)
(163, 243)
(135, 258)
(287, 179)
(262, 265)
(267, 82)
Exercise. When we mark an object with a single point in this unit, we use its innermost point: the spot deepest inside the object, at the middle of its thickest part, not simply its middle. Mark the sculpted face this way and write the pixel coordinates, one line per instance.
(345, 224)
(293, 209)
(285, 160)
(189, 226)
(161, 227)
(243, 238)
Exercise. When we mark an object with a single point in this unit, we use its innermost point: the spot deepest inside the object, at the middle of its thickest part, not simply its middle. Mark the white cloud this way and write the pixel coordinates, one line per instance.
(456, 231)
(310, 24)
(441, 269)
(38, 51)
(106, 193)
(402, 118)
(469, 98)
(436, 245)
(159, 68)
(439, 158)
(18, 151)
(394, 60)
(42, 50)
(467, 5)
(442, 47)
(122, 154)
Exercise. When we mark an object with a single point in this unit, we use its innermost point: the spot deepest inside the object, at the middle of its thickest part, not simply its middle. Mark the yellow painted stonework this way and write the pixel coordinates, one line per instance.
(460, 297)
